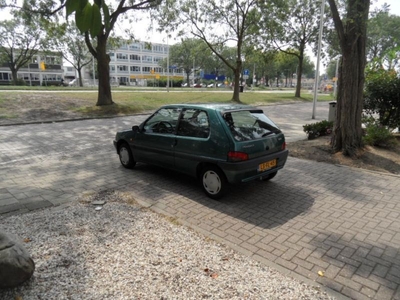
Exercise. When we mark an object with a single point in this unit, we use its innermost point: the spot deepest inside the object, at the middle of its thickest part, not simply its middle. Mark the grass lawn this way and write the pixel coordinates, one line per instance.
(129, 101)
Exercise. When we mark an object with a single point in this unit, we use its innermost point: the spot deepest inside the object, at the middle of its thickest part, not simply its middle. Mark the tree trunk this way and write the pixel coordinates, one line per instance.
(352, 37)
(347, 131)
(298, 79)
(80, 76)
(103, 68)
(14, 74)
(299, 71)
(236, 88)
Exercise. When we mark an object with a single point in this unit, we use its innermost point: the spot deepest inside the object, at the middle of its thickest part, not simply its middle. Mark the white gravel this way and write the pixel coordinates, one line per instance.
(126, 252)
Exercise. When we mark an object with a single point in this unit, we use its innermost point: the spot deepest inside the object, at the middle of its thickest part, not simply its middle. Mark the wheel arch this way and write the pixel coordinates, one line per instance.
(202, 165)
(119, 143)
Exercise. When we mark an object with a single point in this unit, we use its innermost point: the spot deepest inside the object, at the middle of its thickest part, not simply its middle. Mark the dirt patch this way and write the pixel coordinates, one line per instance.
(370, 158)
(38, 107)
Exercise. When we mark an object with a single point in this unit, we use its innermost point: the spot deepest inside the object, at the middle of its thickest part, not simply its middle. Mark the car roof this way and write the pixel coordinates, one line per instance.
(213, 106)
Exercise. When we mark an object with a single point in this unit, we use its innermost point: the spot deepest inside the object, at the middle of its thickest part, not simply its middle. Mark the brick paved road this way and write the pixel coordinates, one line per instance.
(312, 217)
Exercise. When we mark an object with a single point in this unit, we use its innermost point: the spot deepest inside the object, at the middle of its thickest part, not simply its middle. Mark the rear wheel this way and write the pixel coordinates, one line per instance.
(213, 182)
(125, 156)
(270, 176)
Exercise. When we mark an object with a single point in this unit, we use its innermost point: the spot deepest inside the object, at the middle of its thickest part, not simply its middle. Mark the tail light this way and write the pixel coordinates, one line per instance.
(237, 156)
(283, 146)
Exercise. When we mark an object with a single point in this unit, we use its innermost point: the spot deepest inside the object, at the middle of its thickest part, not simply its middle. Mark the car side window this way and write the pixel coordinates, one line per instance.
(194, 123)
(164, 121)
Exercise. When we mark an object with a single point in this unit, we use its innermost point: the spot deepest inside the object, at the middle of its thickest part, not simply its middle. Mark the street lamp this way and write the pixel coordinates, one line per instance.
(318, 58)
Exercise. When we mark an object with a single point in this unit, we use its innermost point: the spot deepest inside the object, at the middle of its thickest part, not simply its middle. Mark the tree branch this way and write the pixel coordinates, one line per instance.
(338, 23)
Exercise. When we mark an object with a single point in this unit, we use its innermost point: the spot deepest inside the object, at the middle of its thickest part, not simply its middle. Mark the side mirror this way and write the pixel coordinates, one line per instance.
(135, 128)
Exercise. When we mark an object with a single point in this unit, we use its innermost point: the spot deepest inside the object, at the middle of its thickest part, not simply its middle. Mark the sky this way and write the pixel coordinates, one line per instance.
(156, 37)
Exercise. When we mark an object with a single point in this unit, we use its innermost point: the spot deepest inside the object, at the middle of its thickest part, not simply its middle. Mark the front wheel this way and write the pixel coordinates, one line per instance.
(213, 181)
(125, 156)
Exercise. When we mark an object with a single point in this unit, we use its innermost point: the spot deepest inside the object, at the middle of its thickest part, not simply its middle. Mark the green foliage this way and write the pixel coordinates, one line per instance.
(382, 96)
(383, 33)
(163, 82)
(20, 82)
(315, 130)
(378, 135)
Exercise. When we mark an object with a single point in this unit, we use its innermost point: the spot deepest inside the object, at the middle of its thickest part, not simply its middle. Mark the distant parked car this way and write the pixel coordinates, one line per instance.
(220, 144)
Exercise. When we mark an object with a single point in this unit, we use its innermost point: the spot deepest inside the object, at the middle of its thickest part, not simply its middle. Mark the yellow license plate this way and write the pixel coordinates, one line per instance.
(267, 165)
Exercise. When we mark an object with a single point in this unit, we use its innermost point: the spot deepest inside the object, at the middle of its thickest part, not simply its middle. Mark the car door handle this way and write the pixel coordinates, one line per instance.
(174, 144)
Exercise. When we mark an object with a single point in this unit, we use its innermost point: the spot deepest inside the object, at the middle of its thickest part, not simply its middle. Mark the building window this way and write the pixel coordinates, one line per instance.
(158, 59)
(112, 68)
(135, 69)
(5, 76)
(122, 68)
(122, 56)
(158, 48)
(135, 46)
(146, 69)
(52, 60)
(147, 58)
(134, 57)
(158, 69)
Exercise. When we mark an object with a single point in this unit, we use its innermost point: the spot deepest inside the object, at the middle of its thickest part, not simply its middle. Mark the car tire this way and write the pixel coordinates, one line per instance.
(125, 156)
(213, 182)
(270, 176)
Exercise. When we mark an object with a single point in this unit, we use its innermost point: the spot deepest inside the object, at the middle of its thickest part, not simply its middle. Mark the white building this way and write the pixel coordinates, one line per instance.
(137, 62)
(44, 69)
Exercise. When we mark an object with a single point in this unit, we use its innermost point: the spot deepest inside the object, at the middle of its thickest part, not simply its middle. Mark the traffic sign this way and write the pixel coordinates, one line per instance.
(246, 72)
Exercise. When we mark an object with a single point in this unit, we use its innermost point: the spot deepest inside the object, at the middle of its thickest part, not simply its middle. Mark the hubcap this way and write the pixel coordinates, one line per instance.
(211, 182)
(124, 156)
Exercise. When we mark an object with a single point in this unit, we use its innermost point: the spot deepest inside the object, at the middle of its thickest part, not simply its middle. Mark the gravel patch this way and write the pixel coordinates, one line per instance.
(124, 251)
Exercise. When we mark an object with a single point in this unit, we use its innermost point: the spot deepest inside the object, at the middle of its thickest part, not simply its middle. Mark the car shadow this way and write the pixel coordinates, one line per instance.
(265, 204)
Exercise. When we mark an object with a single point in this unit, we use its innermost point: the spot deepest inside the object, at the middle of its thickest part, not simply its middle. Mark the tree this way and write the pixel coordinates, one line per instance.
(352, 34)
(20, 41)
(67, 40)
(290, 26)
(96, 21)
(187, 55)
(287, 64)
(216, 22)
(383, 33)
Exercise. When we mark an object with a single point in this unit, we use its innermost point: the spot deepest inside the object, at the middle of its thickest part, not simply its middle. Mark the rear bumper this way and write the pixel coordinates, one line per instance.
(245, 171)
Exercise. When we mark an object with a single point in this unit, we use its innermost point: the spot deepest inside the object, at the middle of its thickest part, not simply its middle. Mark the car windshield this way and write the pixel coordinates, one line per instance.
(248, 125)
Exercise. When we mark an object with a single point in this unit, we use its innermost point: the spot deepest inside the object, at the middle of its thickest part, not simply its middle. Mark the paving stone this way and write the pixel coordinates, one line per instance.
(317, 216)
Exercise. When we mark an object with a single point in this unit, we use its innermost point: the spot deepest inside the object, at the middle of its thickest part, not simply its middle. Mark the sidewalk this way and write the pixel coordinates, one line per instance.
(313, 218)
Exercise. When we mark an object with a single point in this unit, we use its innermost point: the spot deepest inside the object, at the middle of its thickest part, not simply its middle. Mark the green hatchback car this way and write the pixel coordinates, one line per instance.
(220, 144)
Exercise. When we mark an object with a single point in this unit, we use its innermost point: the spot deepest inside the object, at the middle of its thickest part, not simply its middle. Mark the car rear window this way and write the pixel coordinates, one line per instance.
(246, 125)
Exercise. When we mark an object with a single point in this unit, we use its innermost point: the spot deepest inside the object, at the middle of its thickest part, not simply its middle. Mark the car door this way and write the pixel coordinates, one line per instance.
(154, 143)
(192, 140)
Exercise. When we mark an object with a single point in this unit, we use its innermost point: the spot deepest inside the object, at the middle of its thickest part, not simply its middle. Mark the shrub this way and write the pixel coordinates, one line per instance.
(382, 96)
(378, 135)
(315, 130)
